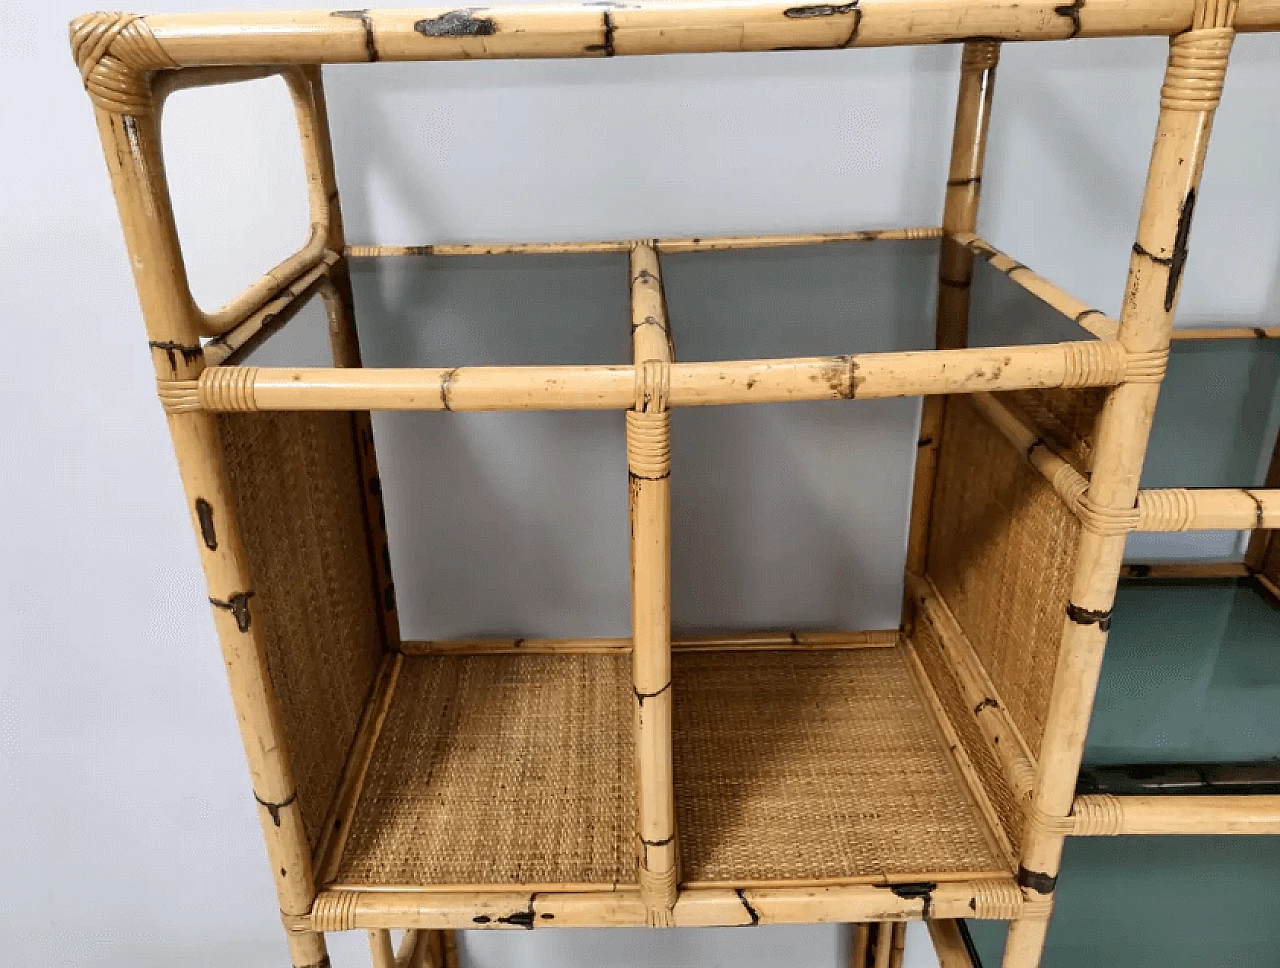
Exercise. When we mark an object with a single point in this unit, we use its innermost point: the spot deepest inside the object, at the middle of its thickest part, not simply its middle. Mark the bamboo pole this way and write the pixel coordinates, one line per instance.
(1004, 739)
(898, 944)
(599, 387)
(380, 951)
(649, 506)
(695, 907)
(960, 214)
(1192, 86)
(860, 945)
(651, 28)
(1262, 542)
(1228, 332)
(949, 944)
(1208, 509)
(708, 243)
(883, 945)
(1186, 570)
(1092, 320)
(128, 123)
(728, 642)
(1104, 814)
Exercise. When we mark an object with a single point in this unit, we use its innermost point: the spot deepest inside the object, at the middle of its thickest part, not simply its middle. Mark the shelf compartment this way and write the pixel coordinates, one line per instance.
(800, 767)
(495, 771)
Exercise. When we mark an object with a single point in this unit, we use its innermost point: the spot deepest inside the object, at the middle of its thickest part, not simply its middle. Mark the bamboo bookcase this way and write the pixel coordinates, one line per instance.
(521, 783)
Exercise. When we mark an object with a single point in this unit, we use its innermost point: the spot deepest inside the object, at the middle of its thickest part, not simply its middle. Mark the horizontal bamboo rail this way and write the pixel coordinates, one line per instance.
(1159, 509)
(696, 907)
(707, 243)
(226, 348)
(692, 26)
(1103, 814)
(729, 642)
(492, 388)
(1187, 569)
(1228, 332)
(1092, 320)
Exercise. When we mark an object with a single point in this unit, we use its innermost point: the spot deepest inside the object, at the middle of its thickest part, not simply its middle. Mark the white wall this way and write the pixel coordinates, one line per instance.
(129, 836)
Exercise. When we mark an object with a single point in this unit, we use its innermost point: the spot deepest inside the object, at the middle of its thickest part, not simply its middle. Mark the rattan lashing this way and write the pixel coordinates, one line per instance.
(750, 778)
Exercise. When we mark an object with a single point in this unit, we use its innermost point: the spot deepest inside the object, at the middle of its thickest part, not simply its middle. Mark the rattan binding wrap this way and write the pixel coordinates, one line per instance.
(1001, 552)
(500, 770)
(296, 487)
(815, 766)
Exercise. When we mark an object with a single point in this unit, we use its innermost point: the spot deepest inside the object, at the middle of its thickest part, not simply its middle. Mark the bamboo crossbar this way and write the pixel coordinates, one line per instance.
(1178, 570)
(695, 907)
(798, 641)
(1088, 318)
(1228, 332)
(705, 243)
(1104, 814)
(1159, 509)
(442, 33)
(612, 387)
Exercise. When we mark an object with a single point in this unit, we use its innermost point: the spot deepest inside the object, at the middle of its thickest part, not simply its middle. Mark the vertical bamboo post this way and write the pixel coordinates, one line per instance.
(1192, 86)
(883, 944)
(649, 507)
(861, 943)
(1260, 541)
(343, 337)
(955, 270)
(116, 54)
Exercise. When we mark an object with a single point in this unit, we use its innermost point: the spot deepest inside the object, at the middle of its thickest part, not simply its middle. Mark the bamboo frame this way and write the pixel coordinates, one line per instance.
(1103, 814)
(696, 907)
(950, 945)
(130, 64)
(865, 376)
(1192, 86)
(649, 509)
(955, 269)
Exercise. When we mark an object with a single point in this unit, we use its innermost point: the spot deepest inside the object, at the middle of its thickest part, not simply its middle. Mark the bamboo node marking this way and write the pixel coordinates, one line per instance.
(228, 388)
(115, 53)
(1146, 367)
(1099, 814)
(1166, 509)
(980, 55)
(296, 923)
(178, 396)
(995, 900)
(658, 892)
(1196, 70)
(649, 444)
(335, 911)
(1100, 363)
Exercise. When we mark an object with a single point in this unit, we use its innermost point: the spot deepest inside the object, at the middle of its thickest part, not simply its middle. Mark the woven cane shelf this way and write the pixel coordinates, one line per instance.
(923, 771)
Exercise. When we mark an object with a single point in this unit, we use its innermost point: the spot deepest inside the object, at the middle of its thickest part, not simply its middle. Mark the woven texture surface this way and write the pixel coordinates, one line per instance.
(936, 665)
(500, 769)
(296, 486)
(1065, 418)
(796, 766)
(1002, 551)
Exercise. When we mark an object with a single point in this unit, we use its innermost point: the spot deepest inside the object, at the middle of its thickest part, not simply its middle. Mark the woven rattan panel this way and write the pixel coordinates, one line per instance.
(937, 666)
(1002, 551)
(815, 766)
(502, 770)
(1065, 418)
(296, 487)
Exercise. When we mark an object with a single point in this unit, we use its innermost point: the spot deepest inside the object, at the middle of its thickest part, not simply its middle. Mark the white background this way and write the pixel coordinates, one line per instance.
(128, 835)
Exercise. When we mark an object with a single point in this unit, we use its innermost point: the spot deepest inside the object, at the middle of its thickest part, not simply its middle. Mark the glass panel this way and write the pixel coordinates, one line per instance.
(303, 340)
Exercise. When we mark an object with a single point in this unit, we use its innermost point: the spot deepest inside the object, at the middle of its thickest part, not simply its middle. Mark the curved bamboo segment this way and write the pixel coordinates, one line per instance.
(955, 269)
(1105, 815)
(690, 26)
(864, 377)
(696, 907)
(1193, 81)
(649, 506)
(132, 149)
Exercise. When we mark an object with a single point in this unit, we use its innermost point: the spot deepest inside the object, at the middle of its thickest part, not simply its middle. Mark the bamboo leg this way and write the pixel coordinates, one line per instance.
(1193, 83)
(899, 944)
(449, 949)
(345, 341)
(964, 183)
(380, 951)
(650, 512)
(883, 944)
(132, 147)
(861, 944)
